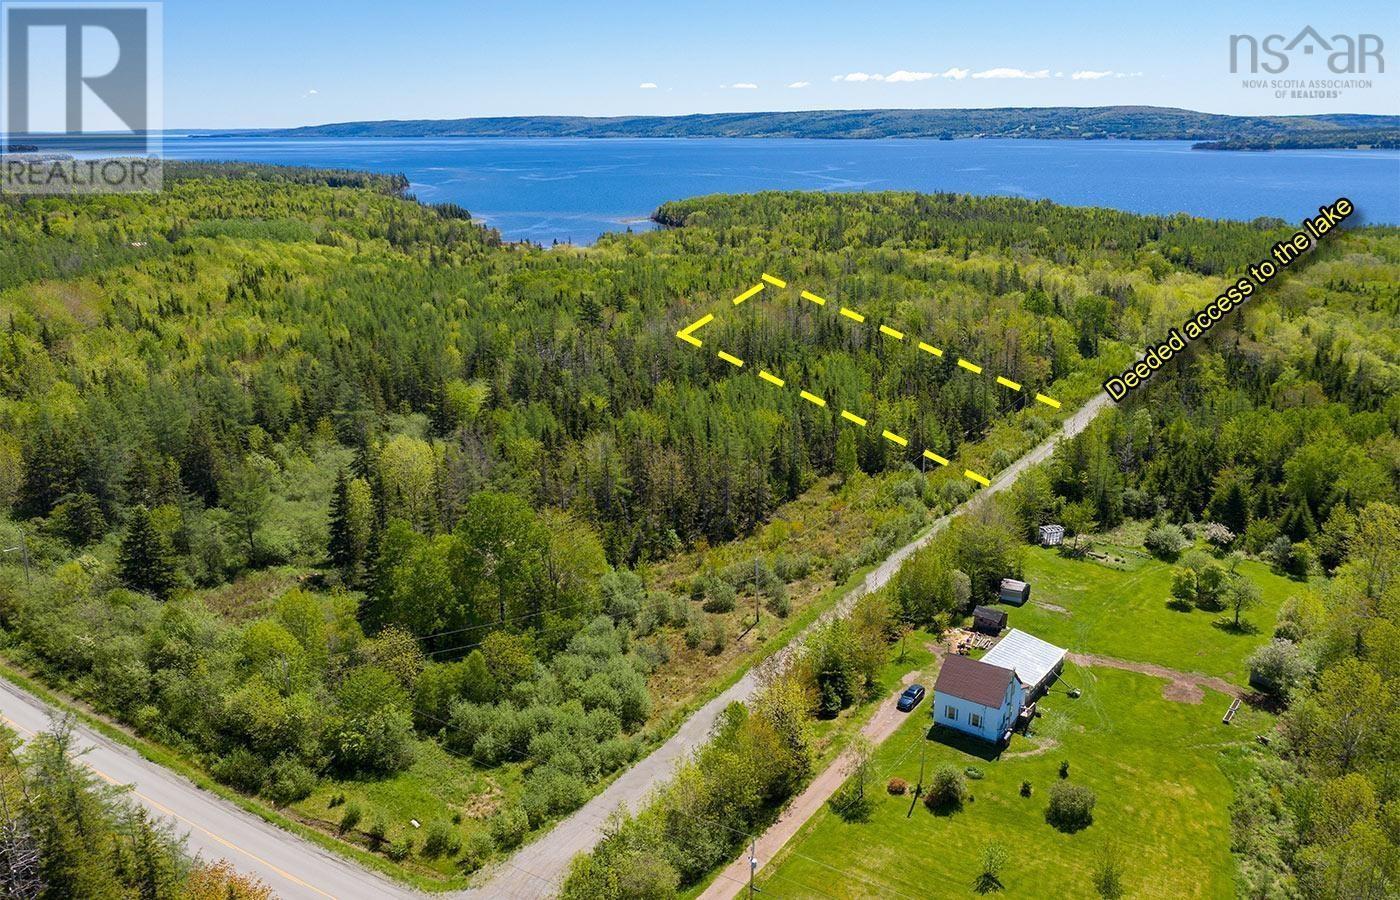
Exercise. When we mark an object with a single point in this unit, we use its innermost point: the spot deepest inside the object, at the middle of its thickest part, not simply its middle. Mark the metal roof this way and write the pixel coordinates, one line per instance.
(970, 679)
(1030, 657)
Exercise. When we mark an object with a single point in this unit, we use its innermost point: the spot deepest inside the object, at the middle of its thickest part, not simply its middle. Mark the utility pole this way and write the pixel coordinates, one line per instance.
(23, 549)
(753, 863)
(755, 592)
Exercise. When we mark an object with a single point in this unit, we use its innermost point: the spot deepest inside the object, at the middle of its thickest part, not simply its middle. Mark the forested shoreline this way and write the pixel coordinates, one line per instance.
(347, 500)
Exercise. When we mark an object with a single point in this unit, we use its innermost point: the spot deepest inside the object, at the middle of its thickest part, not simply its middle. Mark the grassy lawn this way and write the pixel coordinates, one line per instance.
(1121, 611)
(1158, 767)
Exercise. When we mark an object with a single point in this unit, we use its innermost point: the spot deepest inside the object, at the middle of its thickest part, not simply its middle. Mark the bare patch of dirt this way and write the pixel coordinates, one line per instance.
(1182, 687)
(1052, 607)
(1183, 692)
(1050, 744)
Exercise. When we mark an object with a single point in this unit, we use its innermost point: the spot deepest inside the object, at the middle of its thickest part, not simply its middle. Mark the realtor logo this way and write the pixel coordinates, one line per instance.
(80, 97)
(1344, 54)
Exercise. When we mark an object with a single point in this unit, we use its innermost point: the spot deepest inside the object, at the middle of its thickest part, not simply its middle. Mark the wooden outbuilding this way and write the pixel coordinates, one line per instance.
(988, 620)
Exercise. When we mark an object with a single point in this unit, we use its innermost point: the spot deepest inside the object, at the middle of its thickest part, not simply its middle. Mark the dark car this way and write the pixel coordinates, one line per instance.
(911, 697)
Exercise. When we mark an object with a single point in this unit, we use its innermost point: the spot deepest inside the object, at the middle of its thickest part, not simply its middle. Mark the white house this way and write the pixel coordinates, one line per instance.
(977, 698)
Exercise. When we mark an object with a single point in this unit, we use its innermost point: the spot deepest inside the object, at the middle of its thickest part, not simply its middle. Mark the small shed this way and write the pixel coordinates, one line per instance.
(1014, 592)
(988, 620)
(1052, 535)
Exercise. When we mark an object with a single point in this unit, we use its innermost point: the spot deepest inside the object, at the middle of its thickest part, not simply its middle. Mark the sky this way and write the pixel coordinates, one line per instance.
(278, 63)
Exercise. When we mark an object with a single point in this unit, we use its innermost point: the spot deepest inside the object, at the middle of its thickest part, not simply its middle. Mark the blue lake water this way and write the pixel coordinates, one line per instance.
(575, 189)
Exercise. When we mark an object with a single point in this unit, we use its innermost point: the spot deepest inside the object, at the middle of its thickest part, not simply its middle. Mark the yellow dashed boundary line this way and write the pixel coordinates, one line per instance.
(687, 334)
(749, 293)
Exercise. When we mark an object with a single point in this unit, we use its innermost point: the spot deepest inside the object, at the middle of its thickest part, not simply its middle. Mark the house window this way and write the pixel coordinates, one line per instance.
(950, 712)
(974, 720)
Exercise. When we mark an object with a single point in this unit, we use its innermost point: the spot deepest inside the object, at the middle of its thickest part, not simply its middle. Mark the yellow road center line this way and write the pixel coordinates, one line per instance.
(808, 295)
(1048, 401)
(929, 454)
(897, 335)
(732, 360)
(749, 293)
(1007, 382)
(813, 398)
(852, 417)
(852, 314)
(776, 282)
(977, 478)
(969, 366)
(771, 378)
(891, 436)
(689, 340)
(929, 348)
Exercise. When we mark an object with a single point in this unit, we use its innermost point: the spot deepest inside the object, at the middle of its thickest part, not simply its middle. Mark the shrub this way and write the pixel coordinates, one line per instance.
(441, 840)
(350, 817)
(841, 569)
(1071, 807)
(897, 786)
(477, 849)
(1219, 536)
(1277, 668)
(1026, 789)
(400, 850)
(719, 597)
(336, 800)
(1064, 768)
(974, 773)
(1165, 541)
(242, 769)
(947, 789)
(719, 637)
(288, 781)
(509, 826)
(694, 634)
(378, 832)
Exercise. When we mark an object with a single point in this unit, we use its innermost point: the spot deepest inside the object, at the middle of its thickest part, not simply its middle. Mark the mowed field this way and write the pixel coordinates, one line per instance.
(1158, 768)
(1088, 606)
(1158, 760)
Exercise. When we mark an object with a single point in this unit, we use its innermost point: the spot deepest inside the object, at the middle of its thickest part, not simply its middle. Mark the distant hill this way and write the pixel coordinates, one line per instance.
(1095, 122)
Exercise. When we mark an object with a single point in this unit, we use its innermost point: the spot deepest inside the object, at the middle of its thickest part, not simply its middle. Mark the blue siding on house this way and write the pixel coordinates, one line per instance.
(993, 721)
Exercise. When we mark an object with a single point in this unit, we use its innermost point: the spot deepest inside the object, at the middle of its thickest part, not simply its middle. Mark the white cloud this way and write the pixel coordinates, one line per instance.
(955, 73)
(745, 85)
(901, 75)
(1011, 73)
(1089, 75)
(800, 84)
(647, 85)
(310, 93)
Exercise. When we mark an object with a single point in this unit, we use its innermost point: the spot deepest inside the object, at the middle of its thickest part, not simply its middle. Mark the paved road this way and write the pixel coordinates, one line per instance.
(296, 868)
(292, 867)
(537, 869)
